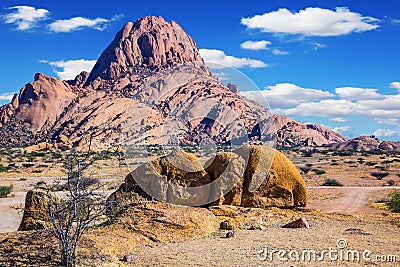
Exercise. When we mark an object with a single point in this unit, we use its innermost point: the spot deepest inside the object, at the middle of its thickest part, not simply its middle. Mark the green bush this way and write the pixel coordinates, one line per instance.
(318, 171)
(5, 190)
(394, 201)
(332, 182)
(2, 168)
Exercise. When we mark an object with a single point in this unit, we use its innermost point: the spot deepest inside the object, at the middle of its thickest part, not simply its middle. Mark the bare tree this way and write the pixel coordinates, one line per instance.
(73, 213)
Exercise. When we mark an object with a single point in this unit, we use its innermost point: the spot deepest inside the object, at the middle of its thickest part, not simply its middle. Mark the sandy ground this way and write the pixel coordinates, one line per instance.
(11, 214)
(348, 200)
(248, 247)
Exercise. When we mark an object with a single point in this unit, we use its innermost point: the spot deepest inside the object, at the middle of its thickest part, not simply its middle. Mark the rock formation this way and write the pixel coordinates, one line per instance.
(364, 143)
(252, 176)
(150, 41)
(150, 75)
(36, 211)
(163, 222)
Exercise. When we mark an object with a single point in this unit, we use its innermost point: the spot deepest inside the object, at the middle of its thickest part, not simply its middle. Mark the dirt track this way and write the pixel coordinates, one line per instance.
(353, 200)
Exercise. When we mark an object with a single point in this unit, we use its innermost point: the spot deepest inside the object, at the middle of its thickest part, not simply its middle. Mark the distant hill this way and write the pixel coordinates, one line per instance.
(365, 143)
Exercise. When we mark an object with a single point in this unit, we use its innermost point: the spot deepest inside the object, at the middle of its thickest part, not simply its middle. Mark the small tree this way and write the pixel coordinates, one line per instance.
(379, 175)
(81, 208)
(394, 201)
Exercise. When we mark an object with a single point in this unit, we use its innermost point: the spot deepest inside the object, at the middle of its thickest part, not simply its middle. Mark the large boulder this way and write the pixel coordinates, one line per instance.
(164, 179)
(251, 176)
(272, 180)
(36, 211)
(164, 222)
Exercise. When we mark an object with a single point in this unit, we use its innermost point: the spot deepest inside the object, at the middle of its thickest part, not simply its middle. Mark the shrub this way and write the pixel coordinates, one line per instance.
(305, 169)
(332, 182)
(5, 190)
(379, 175)
(391, 182)
(2, 168)
(394, 201)
(318, 171)
(28, 165)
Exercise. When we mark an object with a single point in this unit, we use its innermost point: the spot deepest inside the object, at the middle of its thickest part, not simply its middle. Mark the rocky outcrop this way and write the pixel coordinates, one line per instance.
(80, 79)
(252, 176)
(41, 102)
(233, 87)
(364, 143)
(269, 179)
(149, 41)
(163, 222)
(36, 211)
(291, 133)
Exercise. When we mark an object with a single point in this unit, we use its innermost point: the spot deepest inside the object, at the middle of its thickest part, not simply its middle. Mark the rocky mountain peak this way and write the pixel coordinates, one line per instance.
(150, 41)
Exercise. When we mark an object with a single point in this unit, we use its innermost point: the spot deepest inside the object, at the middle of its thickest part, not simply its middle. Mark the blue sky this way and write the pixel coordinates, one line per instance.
(330, 62)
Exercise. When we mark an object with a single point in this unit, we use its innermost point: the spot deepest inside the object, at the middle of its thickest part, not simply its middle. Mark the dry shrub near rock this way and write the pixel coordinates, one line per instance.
(394, 201)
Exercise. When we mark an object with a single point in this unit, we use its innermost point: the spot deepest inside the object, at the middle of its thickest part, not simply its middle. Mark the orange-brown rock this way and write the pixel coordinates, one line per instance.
(252, 176)
(165, 222)
(364, 143)
(150, 41)
(36, 211)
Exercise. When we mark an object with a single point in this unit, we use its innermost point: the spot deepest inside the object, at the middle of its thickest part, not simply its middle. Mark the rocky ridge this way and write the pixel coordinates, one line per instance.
(364, 143)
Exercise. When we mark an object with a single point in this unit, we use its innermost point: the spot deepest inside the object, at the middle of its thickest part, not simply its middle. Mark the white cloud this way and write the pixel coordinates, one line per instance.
(71, 68)
(384, 133)
(388, 107)
(286, 95)
(390, 121)
(256, 45)
(25, 17)
(354, 93)
(396, 21)
(342, 129)
(395, 85)
(219, 57)
(327, 108)
(317, 46)
(79, 23)
(223, 76)
(6, 96)
(339, 119)
(312, 21)
(279, 52)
